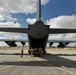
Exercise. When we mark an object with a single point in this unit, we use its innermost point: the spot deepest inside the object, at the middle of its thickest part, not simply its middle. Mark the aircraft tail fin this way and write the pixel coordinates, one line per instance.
(38, 13)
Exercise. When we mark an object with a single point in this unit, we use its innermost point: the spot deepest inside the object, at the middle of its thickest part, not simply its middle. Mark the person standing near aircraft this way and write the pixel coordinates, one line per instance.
(22, 51)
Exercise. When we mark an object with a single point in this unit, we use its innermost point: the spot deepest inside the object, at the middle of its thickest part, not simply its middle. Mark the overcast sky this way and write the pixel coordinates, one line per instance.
(20, 13)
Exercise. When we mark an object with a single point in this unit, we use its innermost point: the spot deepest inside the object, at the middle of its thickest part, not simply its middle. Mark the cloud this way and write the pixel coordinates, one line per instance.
(5, 15)
(63, 22)
(63, 36)
(13, 35)
(31, 20)
(9, 7)
(9, 24)
(43, 2)
(22, 6)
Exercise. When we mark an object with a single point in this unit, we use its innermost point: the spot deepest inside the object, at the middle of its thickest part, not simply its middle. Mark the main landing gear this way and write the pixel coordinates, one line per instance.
(36, 51)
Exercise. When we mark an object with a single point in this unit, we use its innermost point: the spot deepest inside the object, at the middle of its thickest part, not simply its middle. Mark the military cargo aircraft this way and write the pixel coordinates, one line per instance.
(38, 33)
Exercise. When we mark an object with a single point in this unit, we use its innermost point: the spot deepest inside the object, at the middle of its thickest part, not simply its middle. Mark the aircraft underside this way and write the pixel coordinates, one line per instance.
(38, 43)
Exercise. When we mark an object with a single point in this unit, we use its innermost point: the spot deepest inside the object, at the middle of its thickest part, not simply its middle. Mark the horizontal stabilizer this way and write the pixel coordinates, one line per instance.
(15, 30)
(58, 31)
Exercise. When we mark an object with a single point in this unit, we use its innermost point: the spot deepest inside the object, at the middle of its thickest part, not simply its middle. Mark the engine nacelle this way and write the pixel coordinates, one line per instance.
(63, 44)
(11, 43)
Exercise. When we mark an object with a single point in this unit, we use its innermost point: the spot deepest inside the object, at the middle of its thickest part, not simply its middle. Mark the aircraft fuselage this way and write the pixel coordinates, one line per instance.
(38, 35)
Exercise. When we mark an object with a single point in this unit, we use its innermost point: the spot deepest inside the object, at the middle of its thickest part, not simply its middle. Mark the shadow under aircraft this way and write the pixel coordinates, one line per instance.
(54, 60)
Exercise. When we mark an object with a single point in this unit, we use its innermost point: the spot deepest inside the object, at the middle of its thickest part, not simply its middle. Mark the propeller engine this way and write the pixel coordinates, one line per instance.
(63, 44)
(11, 43)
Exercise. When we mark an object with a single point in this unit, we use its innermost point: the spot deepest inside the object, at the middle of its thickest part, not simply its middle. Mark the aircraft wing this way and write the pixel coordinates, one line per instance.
(16, 40)
(12, 42)
(62, 43)
(58, 31)
(56, 41)
(15, 30)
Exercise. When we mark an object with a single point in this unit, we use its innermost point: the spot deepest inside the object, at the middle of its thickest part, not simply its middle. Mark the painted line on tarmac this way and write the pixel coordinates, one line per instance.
(6, 67)
(67, 71)
(9, 66)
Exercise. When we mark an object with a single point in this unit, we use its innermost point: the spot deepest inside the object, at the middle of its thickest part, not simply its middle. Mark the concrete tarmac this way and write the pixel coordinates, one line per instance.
(52, 63)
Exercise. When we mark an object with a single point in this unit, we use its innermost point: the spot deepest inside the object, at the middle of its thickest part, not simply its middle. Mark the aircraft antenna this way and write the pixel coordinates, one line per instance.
(38, 14)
